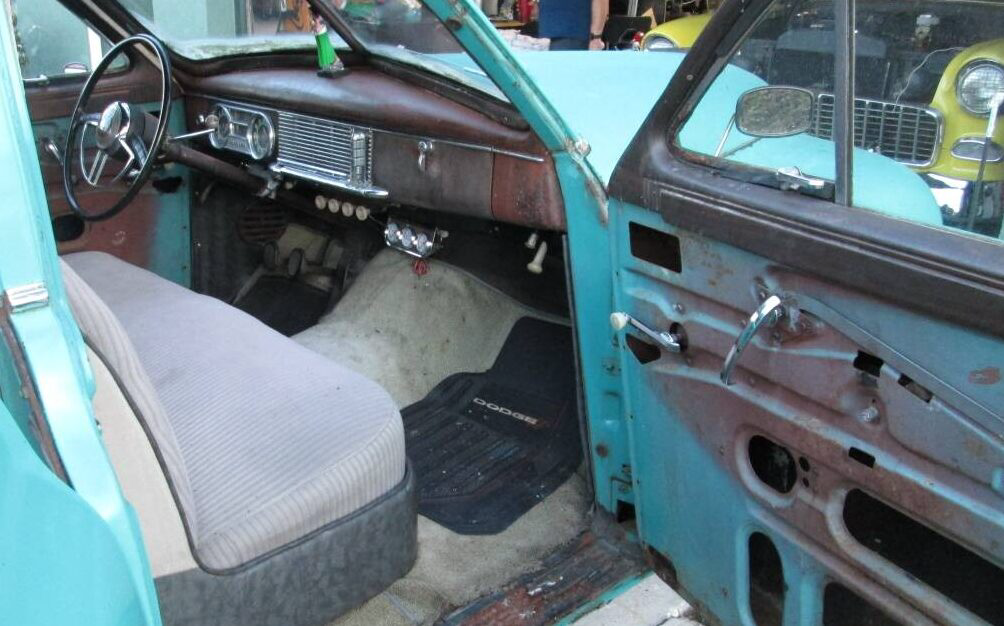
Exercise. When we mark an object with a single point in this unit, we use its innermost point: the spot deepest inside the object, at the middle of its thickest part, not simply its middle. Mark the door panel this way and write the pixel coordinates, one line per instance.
(853, 470)
(922, 436)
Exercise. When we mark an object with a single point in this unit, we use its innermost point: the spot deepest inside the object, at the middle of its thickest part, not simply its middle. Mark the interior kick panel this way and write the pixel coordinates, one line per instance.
(850, 417)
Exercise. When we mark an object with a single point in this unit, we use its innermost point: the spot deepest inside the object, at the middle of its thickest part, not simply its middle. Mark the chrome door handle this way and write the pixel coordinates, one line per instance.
(665, 339)
(768, 313)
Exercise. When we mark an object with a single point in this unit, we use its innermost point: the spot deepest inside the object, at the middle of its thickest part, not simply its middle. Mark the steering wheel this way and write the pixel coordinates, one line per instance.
(122, 132)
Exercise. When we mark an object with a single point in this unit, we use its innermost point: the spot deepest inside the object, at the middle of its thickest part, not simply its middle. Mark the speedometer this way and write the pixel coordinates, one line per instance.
(261, 137)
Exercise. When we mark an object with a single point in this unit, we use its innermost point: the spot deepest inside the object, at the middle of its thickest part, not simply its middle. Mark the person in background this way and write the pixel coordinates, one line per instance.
(573, 24)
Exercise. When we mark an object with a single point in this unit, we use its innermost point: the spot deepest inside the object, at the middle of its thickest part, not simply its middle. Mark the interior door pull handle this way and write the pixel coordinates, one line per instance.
(767, 314)
(52, 149)
(665, 339)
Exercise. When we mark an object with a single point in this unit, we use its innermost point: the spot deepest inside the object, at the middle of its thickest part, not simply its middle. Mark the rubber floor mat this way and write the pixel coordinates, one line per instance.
(487, 447)
(285, 305)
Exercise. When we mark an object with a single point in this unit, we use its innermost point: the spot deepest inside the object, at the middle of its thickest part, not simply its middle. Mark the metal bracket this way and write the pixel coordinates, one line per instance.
(26, 297)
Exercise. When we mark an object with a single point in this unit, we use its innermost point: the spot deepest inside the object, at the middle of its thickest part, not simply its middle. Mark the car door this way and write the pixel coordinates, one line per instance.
(71, 551)
(56, 49)
(851, 469)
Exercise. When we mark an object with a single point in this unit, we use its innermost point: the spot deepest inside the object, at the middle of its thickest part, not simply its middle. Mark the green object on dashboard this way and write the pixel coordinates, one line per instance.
(326, 56)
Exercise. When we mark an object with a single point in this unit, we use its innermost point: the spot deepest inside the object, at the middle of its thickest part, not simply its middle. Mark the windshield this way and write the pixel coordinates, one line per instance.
(208, 29)
(402, 30)
(406, 31)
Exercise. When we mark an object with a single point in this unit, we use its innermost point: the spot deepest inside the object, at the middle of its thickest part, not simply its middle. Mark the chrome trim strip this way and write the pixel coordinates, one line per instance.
(979, 141)
(323, 178)
(26, 297)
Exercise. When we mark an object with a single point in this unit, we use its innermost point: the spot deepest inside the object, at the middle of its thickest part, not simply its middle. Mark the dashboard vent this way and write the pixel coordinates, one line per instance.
(326, 152)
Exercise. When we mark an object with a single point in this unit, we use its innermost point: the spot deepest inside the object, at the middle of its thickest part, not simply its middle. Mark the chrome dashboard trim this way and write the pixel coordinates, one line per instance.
(322, 178)
(462, 144)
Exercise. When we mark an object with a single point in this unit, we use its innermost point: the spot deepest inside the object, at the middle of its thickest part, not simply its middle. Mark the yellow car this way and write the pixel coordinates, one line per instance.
(932, 115)
(678, 33)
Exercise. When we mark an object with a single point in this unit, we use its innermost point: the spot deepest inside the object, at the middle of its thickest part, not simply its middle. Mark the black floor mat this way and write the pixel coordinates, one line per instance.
(487, 447)
(286, 305)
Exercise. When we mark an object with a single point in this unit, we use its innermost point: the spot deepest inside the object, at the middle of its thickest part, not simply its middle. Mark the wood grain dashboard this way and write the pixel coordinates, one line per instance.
(476, 166)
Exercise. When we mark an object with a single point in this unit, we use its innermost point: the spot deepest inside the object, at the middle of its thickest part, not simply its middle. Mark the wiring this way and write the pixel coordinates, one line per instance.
(926, 58)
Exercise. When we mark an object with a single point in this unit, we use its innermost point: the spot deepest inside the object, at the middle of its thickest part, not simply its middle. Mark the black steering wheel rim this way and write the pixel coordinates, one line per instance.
(152, 150)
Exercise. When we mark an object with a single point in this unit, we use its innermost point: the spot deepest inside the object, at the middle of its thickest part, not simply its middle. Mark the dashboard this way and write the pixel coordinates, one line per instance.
(375, 138)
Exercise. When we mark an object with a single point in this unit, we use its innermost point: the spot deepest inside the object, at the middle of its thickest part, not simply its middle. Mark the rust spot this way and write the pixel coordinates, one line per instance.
(602, 451)
(569, 578)
(985, 376)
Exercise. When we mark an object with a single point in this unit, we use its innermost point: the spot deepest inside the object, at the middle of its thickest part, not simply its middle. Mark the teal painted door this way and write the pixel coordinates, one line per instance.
(70, 545)
(850, 468)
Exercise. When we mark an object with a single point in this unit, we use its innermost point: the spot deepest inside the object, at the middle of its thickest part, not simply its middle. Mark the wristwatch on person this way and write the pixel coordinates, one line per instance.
(594, 36)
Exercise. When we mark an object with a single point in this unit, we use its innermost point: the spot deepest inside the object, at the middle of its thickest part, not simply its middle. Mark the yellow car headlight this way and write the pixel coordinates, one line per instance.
(978, 83)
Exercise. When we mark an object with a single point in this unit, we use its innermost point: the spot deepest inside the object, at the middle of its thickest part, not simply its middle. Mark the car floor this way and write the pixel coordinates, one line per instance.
(409, 331)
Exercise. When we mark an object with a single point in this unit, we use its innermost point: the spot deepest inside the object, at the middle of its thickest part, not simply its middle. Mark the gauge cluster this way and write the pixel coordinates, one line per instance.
(246, 131)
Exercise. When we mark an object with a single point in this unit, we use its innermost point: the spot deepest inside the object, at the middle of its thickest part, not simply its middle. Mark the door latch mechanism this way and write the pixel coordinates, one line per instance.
(666, 340)
(767, 314)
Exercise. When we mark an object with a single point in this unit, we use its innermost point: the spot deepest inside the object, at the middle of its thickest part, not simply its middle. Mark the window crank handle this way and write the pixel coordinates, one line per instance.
(767, 314)
(665, 339)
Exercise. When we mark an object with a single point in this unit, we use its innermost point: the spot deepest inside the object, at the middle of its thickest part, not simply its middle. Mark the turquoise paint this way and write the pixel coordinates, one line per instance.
(880, 183)
(170, 255)
(689, 506)
(605, 97)
(115, 564)
(170, 251)
(60, 562)
(603, 599)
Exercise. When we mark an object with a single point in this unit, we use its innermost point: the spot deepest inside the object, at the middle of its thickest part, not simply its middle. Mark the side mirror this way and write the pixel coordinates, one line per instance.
(775, 111)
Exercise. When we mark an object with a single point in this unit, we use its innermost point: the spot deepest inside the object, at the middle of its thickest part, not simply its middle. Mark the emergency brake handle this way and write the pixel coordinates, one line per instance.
(767, 314)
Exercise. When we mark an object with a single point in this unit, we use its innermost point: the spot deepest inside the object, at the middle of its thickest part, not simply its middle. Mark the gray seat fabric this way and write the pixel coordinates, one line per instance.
(264, 441)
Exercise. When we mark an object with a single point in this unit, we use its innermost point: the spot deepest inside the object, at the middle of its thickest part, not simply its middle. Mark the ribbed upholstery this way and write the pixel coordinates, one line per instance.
(264, 440)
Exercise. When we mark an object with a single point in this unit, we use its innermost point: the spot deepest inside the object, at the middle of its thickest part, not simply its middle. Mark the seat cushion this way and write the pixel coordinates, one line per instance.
(265, 440)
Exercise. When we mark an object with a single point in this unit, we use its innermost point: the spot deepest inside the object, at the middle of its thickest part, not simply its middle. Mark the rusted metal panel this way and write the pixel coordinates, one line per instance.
(569, 578)
(922, 434)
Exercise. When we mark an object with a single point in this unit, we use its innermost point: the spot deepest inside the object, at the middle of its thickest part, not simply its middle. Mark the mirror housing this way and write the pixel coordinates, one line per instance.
(775, 111)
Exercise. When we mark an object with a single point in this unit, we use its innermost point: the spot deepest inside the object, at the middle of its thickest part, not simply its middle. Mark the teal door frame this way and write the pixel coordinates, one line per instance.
(70, 552)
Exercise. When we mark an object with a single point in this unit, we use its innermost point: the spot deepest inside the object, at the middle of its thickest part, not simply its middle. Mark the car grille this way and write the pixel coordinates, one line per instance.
(908, 134)
(322, 147)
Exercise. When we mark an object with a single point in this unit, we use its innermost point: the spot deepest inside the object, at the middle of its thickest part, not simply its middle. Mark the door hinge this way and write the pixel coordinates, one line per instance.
(26, 297)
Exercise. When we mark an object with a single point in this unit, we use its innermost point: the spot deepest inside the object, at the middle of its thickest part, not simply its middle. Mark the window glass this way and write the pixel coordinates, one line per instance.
(206, 29)
(782, 67)
(52, 41)
(408, 32)
(927, 77)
